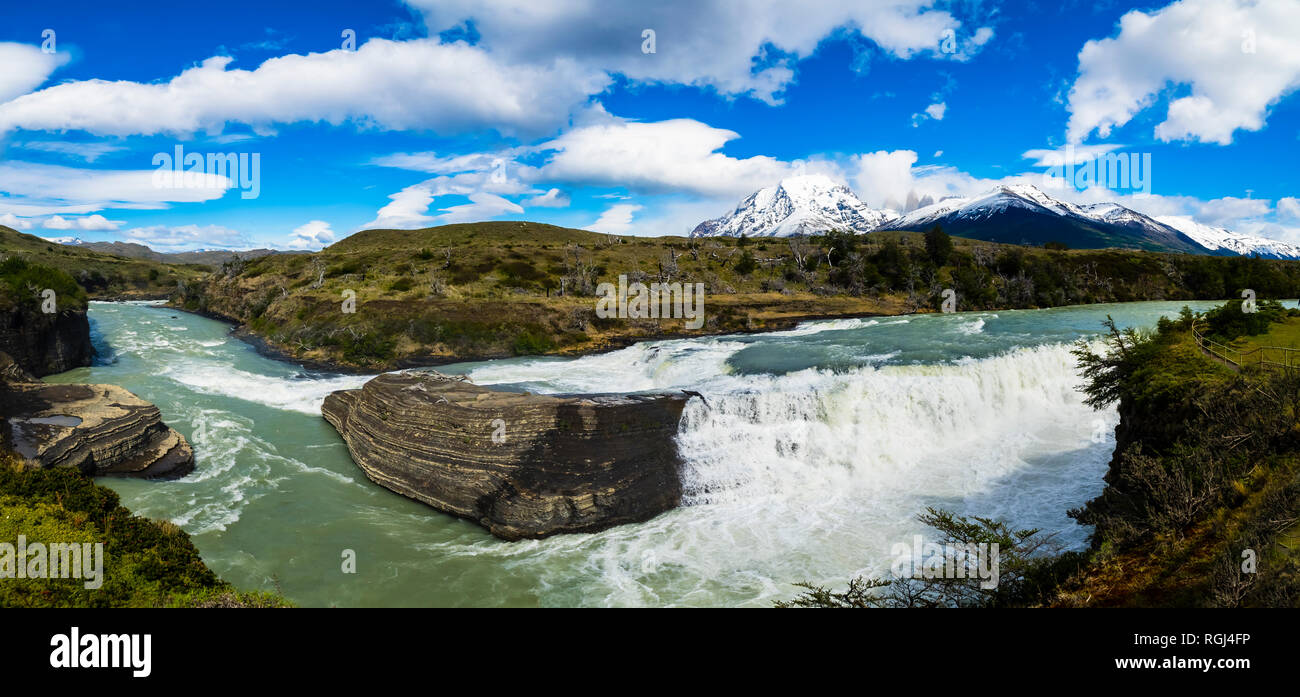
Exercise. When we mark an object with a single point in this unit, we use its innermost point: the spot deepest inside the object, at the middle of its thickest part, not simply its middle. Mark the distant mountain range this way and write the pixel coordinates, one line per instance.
(1015, 214)
(207, 257)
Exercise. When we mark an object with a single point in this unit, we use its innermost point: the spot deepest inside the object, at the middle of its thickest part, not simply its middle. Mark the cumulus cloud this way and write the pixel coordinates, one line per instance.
(616, 220)
(418, 84)
(26, 67)
(311, 235)
(747, 48)
(678, 155)
(1223, 211)
(87, 223)
(1238, 57)
(934, 111)
(409, 208)
(1289, 208)
(12, 221)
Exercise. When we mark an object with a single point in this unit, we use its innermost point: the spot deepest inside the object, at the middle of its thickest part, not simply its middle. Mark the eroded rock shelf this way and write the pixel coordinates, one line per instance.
(521, 465)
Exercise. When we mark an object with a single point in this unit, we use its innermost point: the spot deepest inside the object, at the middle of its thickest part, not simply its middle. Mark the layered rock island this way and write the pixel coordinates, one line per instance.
(519, 464)
(97, 429)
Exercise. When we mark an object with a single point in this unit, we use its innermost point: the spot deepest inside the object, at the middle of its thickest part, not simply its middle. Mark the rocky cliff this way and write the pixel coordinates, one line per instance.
(520, 465)
(44, 344)
(98, 429)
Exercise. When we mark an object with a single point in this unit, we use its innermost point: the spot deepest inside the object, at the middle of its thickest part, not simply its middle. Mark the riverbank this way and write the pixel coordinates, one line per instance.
(384, 299)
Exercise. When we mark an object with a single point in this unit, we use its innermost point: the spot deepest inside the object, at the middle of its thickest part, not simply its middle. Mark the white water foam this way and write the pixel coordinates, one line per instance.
(303, 395)
(816, 474)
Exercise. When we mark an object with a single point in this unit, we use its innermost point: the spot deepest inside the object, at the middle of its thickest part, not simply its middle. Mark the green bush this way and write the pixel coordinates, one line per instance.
(146, 563)
(19, 277)
(532, 341)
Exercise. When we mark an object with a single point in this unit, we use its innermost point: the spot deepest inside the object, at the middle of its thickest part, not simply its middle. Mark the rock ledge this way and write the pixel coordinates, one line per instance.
(520, 465)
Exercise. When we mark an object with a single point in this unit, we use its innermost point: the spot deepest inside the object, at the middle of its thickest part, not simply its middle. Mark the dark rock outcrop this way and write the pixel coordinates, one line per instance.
(98, 429)
(44, 344)
(520, 465)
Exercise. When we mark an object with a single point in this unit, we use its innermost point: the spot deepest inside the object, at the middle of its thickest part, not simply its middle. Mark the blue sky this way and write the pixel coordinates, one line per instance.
(450, 110)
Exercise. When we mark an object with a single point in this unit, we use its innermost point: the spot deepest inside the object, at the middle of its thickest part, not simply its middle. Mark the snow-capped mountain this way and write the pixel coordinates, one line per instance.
(65, 240)
(984, 206)
(1219, 239)
(1015, 214)
(803, 205)
(1023, 214)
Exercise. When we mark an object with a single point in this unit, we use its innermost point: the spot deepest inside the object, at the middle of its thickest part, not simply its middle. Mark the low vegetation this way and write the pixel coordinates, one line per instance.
(23, 284)
(509, 288)
(100, 275)
(147, 563)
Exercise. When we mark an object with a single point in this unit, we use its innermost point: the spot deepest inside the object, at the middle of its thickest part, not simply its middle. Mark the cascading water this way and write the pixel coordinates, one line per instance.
(815, 451)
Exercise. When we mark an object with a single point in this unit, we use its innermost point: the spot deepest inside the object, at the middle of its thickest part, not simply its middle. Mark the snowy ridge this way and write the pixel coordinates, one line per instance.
(1217, 238)
(803, 205)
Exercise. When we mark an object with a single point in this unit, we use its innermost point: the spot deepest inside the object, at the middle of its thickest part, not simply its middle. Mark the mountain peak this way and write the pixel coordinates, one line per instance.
(800, 205)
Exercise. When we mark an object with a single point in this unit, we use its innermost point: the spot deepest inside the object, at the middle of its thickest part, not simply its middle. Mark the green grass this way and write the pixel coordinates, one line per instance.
(1285, 334)
(497, 289)
(147, 563)
(101, 275)
(24, 282)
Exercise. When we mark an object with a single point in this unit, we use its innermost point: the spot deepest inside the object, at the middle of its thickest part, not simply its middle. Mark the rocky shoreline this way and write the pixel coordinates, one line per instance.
(521, 465)
(44, 344)
(96, 429)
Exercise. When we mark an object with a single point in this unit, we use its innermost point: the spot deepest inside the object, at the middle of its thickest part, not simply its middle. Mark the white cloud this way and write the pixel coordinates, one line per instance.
(1289, 208)
(714, 43)
(482, 206)
(409, 207)
(383, 84)
(434, 163)
(1226, 210)
(311, 235)
(553, 198)
(33, 189)
(12, 221)
(187, 237)
(1204, 44)
(407, 210)
(87, 223)
(883, 179)
(1068, 155)
(935, 111)
(616, 220)
(678, 155)
(26, 67)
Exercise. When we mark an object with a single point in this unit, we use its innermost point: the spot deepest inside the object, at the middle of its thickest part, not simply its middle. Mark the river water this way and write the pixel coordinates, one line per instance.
(818, 448)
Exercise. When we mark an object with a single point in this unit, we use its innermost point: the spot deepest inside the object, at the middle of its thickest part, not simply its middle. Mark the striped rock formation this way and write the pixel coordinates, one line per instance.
(98, 429)
(520, 465)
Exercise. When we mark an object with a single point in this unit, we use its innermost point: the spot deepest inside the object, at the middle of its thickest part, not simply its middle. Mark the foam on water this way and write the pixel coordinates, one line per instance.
(816, 474)
(300, 394)
(792, 472)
